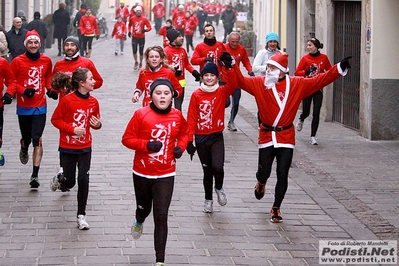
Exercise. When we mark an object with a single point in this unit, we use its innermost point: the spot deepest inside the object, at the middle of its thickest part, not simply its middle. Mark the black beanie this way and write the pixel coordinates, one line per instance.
(36, 14)
(172, 34)
(162, 81)
(316, 43)
(210, 68)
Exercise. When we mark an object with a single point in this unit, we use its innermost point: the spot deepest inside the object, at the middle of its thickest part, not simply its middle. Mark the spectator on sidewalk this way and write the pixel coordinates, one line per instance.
(61, 21)
(272, 47)
(16, 37)
(158, 135)
(4, 44)
(73, 117)
(41, 28)
(21, 14)
(178, 60)
(309, 66)
(238, 52)
(119, 32)
(89, 29)
(205, 118)
(31, 100)
(156, 67)
(76, 22)
(138, 26)
(278, 96)
(159, 12)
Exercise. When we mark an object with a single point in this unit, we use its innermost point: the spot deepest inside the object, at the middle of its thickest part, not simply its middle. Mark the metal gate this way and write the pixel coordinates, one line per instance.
(347, 42)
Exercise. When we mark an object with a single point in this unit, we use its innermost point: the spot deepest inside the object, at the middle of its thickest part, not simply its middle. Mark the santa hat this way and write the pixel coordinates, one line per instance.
(32, 35)
(138, 8)
(279, 60)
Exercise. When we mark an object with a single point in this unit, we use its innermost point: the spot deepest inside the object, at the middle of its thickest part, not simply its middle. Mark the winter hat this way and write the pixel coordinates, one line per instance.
(162, 81)
(172, 34)
(21, 13)
(210, 68)
(138, 8)
(316, 43)
(279, 60)
(31, 35)
(83, 6)
(272, 36)
(36, 14)
(72, 39)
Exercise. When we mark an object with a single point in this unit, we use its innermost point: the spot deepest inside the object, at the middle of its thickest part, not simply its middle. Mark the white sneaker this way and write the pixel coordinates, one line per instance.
(222, 198)
(231, 126)
(208, 206)
(122, 53)
(137, 230)
(82, 224)
(313, 140)
(299, 125)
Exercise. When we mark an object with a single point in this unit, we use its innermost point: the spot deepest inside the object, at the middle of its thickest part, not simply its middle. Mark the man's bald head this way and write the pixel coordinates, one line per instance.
(17, 23)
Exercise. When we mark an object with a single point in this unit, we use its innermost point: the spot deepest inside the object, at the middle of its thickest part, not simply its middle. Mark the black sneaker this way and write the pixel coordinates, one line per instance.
(276, 215)
(23, 153)
(34, 182)
(260, 190)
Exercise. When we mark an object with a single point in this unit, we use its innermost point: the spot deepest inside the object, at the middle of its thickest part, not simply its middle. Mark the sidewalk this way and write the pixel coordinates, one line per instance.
(344, 188)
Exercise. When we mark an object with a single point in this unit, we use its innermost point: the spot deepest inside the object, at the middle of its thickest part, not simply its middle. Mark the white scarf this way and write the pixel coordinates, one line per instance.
(207, 88)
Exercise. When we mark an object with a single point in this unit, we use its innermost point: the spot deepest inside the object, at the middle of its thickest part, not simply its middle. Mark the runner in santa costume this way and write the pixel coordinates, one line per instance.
(278, 97)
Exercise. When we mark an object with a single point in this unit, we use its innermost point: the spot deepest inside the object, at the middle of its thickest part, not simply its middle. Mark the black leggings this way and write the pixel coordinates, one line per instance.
(87, 42)
(211, 155)
(189, 43)
(158, 193)
(31, 127)
(317, 98)
(82, 161)
(179, 101)
(284, 159)
(138, 42)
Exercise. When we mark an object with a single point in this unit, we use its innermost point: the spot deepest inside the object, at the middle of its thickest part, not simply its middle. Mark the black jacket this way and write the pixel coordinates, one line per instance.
(61, 21)
(16, 41)
(40, 26)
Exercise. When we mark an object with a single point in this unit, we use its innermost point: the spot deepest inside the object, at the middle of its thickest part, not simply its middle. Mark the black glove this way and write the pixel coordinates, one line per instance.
(97, 37)
(251, 73)
(344, 64)
(7, 99)
(209, 59)
(196, 75)
(29, 92)
(129, 34)
(310, 70)
(177, 72)
(177, 152)
(52, 94)
(154, 146)
(226, 60)
(191, 149)
(144, 31)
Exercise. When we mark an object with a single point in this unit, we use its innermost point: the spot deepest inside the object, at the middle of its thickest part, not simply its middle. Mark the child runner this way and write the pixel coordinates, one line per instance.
(75, 114)
(158, 134)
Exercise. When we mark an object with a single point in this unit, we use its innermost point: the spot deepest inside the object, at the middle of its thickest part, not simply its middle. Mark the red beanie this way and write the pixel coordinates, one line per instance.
(279, 60)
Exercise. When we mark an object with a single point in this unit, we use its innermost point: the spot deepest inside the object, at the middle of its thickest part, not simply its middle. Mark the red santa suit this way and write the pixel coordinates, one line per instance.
(146, 125)
(278, 105)
(75, 110)
(147, 76)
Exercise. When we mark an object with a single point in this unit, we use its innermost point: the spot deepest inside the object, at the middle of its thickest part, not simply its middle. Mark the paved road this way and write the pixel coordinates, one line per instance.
(344, 188)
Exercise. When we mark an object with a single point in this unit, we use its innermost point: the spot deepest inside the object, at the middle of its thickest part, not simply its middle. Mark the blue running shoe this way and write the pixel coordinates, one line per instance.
(2, 159)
